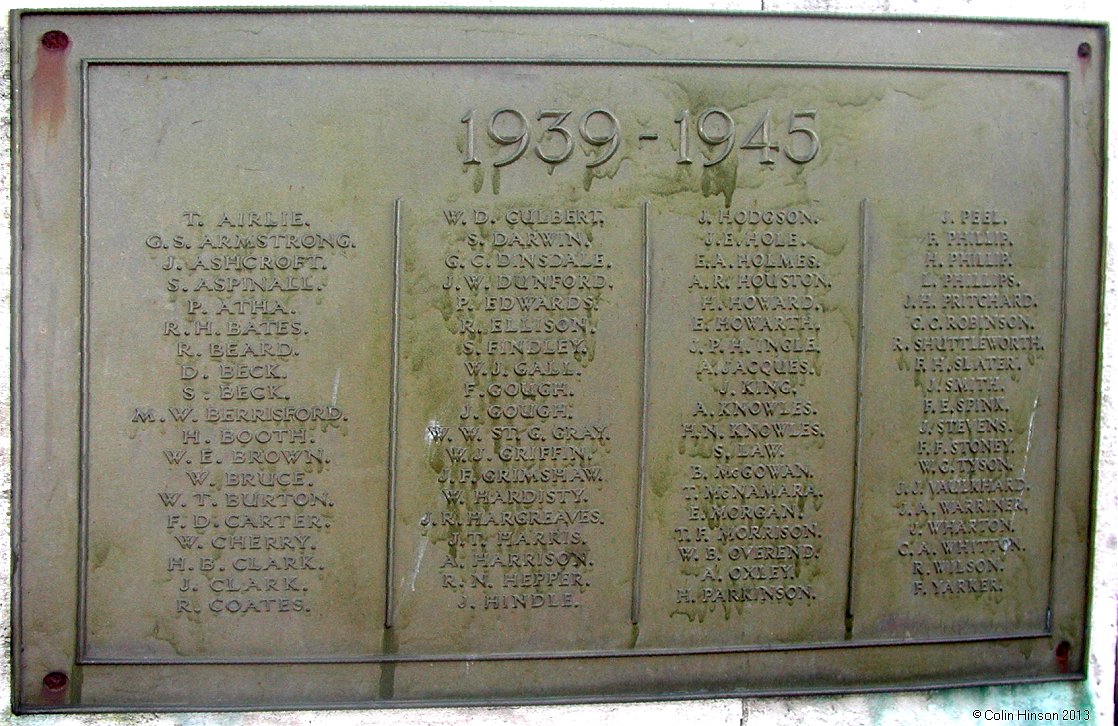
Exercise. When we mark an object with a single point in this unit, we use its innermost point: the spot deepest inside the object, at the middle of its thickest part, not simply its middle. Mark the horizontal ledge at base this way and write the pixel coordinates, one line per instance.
(568, 700)
(566, 655)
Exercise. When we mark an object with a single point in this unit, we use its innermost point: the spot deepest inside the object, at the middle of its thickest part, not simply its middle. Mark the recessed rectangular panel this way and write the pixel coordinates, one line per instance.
(228, 434)
(650, 368)
(960, 388)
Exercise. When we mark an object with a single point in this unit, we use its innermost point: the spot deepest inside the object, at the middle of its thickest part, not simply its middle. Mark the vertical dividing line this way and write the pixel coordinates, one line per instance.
(83, 363)
(394, 406)
(863, 267)
(638, 564)
(1060, 358)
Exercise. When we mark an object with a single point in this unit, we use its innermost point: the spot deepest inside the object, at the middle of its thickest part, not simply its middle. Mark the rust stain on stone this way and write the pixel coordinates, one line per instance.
(49, 84)
(54, 688)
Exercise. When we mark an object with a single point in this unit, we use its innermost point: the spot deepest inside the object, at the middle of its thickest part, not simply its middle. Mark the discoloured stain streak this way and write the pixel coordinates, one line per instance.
(49, 84)
(418, 562)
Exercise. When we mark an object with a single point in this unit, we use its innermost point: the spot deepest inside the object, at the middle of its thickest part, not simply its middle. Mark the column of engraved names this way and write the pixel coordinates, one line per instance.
(971, 337)
(246, 501)
(520, 470)
(748, 531)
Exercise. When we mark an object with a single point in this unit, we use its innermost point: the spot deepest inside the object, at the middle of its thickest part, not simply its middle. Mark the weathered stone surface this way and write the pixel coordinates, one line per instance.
(612, 374)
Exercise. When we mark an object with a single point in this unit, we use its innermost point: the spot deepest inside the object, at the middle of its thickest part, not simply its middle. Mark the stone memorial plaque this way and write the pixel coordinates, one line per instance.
(407, 358)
